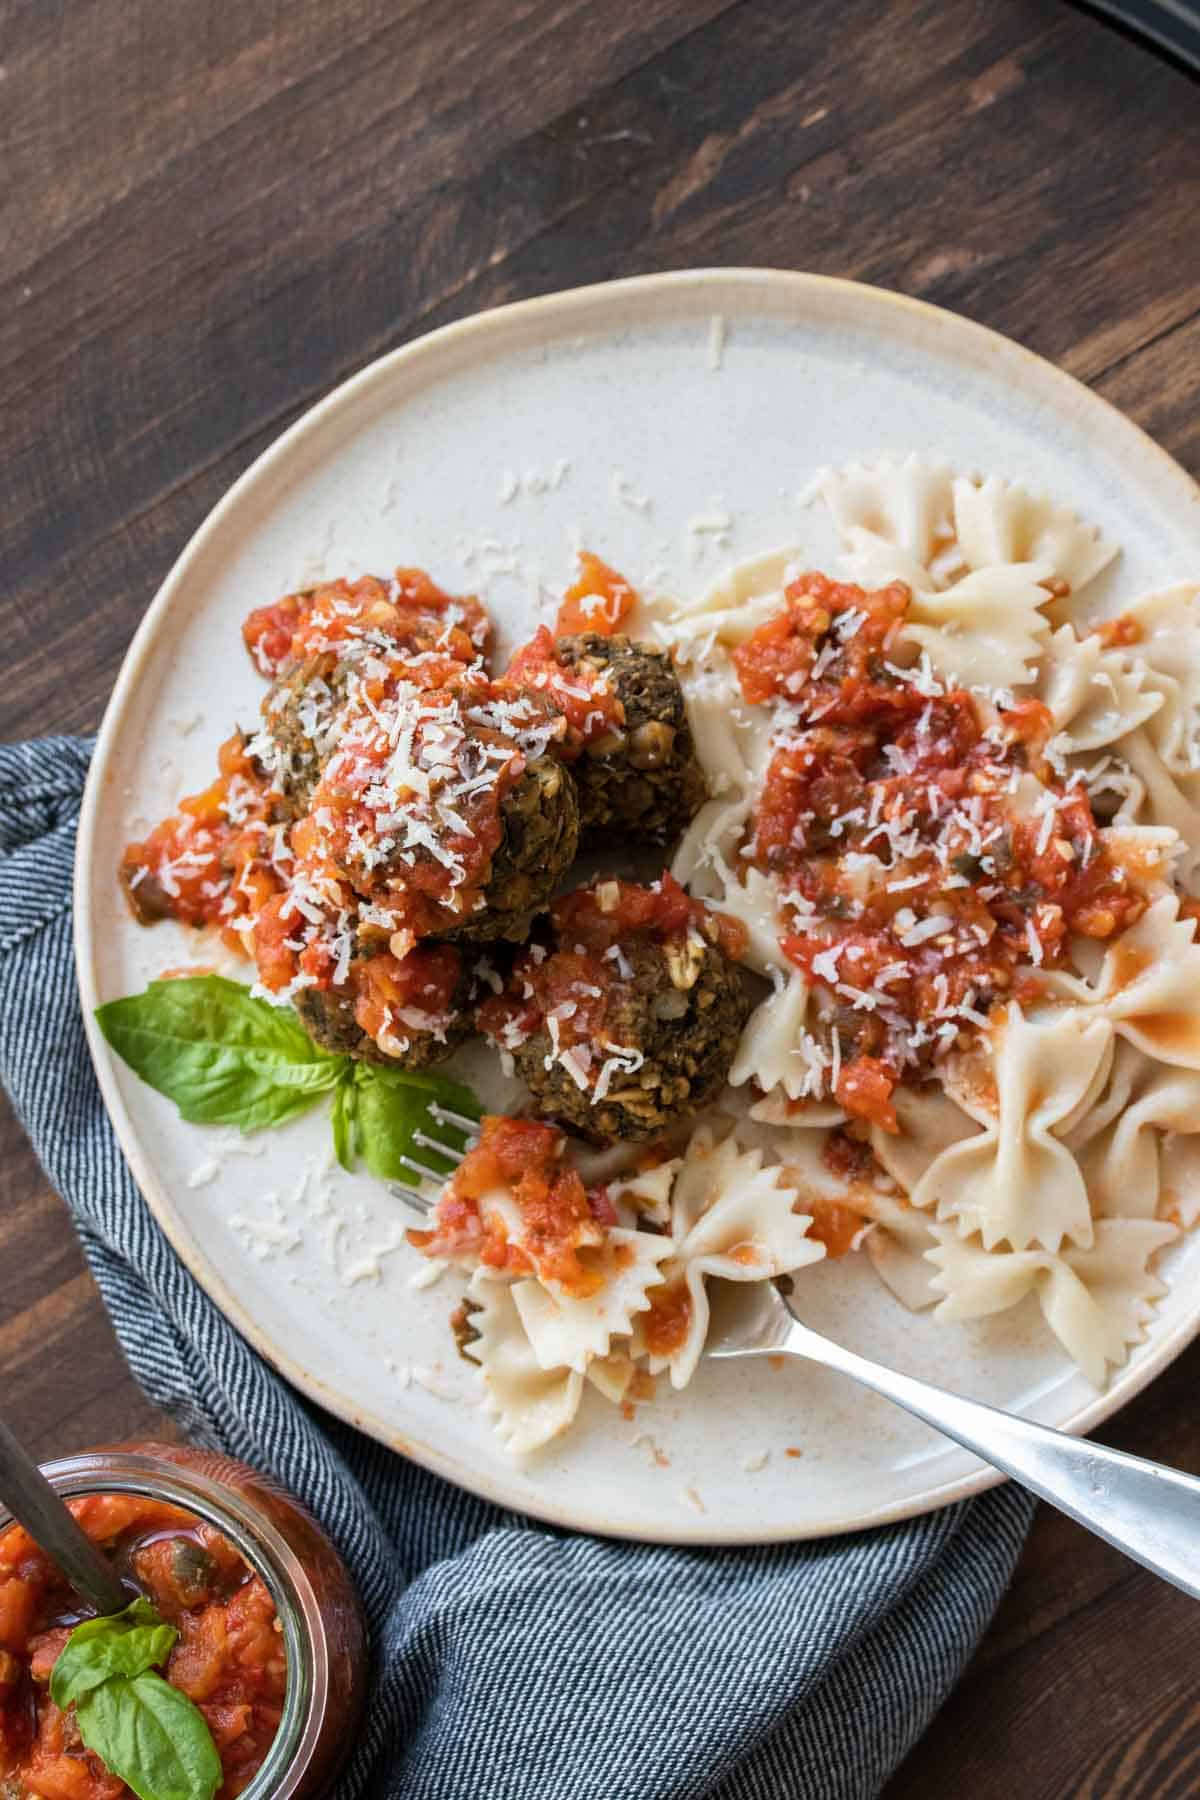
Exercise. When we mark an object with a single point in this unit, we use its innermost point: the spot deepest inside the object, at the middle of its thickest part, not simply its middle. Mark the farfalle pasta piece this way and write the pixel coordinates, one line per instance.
(730, 735)
(702, 855)
(1096, 1300)
(754, 902)
(917, 521)
(1147, 794)
(771, 1050)
(647, 1194)
(1169, 623)
(1148, 987)
(737, 605)
(571, 1331)
(732, 1218)
(930, 1121)
(612, 1375)
(892, 507)
(985, 630)
(1155, 796)
(897, 1247)
(1015, 1182)
(1179, 1179)
(731, 744)
(528, 1405)
(1095, 694)
(1118, 1142)
(995, 521)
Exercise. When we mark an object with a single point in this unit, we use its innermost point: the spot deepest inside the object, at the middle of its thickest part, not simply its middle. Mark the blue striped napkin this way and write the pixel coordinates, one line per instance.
(513, 1661)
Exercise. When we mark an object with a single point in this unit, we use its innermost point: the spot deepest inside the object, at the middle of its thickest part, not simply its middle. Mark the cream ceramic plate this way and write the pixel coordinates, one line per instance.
(671, 423)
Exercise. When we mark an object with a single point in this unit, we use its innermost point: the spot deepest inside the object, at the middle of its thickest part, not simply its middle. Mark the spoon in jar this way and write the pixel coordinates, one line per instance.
(31, 1500)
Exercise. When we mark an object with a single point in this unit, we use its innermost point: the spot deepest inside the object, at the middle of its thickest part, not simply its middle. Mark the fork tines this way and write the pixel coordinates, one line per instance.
(442, 1115)
(413, 1198)
(415, 1194)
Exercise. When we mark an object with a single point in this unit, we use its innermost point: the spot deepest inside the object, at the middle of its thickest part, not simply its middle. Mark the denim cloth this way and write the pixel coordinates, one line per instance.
(512, 1660)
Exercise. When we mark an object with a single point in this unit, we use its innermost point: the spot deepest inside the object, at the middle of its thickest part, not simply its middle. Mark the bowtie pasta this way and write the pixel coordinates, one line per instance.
(954, 810)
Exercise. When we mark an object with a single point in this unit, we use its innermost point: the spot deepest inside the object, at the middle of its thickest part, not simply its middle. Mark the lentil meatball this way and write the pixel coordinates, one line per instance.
(539, 818)
(643, 781)
(331, 1018)
(621, 1039)
(297, 714)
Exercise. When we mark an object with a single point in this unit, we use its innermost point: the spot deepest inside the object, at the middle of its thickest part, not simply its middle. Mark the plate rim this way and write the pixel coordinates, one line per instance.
(744, 282)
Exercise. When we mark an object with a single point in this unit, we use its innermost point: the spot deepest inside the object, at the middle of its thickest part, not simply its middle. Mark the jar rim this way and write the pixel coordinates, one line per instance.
(265, 1549)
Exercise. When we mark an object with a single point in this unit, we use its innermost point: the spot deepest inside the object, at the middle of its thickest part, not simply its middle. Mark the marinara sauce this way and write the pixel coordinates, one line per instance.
(271, 1646)
(929, 854)
(229, 1658)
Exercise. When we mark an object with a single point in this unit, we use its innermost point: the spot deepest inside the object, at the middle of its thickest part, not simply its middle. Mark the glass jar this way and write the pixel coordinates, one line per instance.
(317, 1606)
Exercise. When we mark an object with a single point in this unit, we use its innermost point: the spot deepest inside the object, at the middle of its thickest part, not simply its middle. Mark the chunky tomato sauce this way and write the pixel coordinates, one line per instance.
(584, 698)
(365, 817)
(555, 1221)
(395, 842)
(665, 1325)
(409, 612)
(216, 861)
(924, 844)
(229, 1658)
(599, 600)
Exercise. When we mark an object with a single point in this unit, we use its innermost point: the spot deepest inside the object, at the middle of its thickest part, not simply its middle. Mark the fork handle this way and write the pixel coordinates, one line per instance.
(1147, 1510)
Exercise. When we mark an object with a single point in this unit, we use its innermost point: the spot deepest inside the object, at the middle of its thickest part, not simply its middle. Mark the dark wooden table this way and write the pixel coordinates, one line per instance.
(211, 213)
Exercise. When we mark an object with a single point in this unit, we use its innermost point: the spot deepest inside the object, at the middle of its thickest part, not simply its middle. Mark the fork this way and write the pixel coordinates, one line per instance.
(1147, 1510)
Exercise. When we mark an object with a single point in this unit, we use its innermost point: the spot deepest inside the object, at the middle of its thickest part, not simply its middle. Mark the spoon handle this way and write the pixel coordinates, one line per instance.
(51, 1525)
(1149, 1511)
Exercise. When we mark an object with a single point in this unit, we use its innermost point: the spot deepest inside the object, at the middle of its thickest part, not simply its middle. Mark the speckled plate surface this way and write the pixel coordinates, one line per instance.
(671, 423)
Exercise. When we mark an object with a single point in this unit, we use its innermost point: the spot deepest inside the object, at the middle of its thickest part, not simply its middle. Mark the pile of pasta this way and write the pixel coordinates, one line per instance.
(1058, 1152)
(1065, 1172)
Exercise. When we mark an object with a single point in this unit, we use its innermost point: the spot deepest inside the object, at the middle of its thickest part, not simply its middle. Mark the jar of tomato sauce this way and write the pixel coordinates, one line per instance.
(272, 1645)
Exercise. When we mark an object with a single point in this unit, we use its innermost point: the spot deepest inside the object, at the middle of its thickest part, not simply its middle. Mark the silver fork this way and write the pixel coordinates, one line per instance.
(419, 1198)
(1147, 1510)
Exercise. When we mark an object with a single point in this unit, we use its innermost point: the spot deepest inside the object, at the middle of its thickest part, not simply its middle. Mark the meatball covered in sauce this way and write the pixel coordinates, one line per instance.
(625, 1019)
(641, 778)
(539, 836)
(439, 812)
(410, 1013)
(299, 725)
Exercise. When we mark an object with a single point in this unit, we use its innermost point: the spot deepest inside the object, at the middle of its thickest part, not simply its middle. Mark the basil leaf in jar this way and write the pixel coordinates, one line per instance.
(150, 1736)
(123, 1643)
(223, 1056)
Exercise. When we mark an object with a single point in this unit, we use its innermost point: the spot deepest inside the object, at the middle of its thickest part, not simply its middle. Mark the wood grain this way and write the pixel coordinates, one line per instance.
(213, 213)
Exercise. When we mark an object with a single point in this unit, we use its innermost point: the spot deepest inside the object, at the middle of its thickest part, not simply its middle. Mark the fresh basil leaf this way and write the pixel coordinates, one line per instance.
(151, 1737)
(345, 1106)
(122, 1643)
(223, 1057)
(392, 1105)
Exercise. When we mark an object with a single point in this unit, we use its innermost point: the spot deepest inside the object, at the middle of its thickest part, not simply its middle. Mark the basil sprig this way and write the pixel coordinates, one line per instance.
(227, 1058)
(143, 1730)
